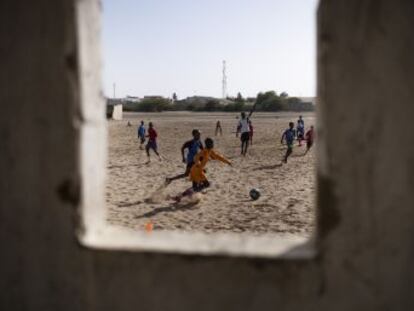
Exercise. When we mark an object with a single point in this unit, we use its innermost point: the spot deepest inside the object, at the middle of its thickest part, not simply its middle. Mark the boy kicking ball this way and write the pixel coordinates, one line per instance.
(192, 146)
(197, 173)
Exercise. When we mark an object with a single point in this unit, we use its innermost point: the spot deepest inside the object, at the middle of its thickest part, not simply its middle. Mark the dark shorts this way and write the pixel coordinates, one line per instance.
(141, 139)
(197, 187)
(245, 136)
(151, 145)
(309, 144)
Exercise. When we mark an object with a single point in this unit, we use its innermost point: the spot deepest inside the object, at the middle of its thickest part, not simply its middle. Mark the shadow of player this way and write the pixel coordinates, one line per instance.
(122, 166)
(267, 167)
(127, 204)
(174, 207)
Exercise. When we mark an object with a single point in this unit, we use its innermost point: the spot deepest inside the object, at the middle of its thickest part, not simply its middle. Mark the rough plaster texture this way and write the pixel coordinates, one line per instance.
(117, 112)
(114, 112)
(366, 229)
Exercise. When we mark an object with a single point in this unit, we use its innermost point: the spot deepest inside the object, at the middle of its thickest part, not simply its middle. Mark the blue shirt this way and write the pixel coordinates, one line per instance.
(193, 147)
(289, 135)
(301, 125)
(141, 131)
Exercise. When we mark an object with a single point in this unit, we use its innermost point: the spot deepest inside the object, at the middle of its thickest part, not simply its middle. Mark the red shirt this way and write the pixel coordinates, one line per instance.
(309, 135)
(152, 134)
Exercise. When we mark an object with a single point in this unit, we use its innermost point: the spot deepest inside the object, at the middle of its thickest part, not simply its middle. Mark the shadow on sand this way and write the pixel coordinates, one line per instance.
(122, 166)
(127, 204)
(268, 167)
(174, 207)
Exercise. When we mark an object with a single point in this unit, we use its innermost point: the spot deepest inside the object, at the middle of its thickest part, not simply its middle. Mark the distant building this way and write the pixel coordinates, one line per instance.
(310, 99)
(153, 97)
(133, 99)
(198, 100)
(114, 109)
(201, 101)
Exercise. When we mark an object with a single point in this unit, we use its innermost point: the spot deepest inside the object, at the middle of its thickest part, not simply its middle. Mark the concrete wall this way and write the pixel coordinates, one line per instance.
(52, 153)
(117, 112)
(114, 112)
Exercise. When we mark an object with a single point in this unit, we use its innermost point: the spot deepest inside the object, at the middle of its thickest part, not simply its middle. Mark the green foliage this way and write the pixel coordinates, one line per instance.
(236, 106)
(295, 104)
(154, 104)
(190, 107)
(149, 105)
(268, 101)
(239, 98)
(130, 106)
(212, 105)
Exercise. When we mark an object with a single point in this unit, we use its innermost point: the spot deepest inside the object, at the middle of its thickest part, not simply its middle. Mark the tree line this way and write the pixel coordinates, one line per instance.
(267, 101)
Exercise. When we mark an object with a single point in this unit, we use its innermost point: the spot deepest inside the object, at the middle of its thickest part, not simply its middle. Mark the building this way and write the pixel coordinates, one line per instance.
(114, 109)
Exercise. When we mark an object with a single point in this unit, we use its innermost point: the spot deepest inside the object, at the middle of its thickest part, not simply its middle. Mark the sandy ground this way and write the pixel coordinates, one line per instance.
(286, 205)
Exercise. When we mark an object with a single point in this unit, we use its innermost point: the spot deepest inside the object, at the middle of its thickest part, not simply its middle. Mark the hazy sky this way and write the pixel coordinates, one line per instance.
(157, 47)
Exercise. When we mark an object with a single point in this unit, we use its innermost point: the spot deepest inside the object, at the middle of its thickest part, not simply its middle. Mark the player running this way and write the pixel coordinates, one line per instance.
(310, 135)
(288, 135)
(141, 135)
(197, 173)
(193, 146)
(152, 141)
(300, 128)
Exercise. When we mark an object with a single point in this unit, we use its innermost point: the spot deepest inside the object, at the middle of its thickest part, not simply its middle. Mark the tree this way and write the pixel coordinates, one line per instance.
(174, 97)
(154, 104)
(239, 98)
(284, 94)
(212, 105)
(239, 106)
(268, 101)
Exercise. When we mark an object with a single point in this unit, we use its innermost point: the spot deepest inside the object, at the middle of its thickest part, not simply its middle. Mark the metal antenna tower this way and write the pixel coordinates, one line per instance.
(224, 82)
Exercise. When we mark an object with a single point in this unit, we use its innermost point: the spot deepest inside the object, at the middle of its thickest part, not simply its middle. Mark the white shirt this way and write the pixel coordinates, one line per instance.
(244, 125)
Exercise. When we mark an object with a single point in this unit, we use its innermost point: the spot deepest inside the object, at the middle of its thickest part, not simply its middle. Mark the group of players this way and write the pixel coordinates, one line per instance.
(197, 155)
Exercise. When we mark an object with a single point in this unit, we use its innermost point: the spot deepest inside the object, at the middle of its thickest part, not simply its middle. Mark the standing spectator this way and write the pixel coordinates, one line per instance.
(219, 129)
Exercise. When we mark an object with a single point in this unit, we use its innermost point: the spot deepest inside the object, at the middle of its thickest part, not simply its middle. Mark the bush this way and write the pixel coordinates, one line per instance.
(295, 104)
(130, 106)
(268, 101)
(149, 105)
(212, 105)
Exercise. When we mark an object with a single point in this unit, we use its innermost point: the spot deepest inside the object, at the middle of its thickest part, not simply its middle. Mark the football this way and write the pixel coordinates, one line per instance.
(254, 194)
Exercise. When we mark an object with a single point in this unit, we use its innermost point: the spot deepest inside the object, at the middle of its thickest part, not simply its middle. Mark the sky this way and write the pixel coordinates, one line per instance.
(158, 47)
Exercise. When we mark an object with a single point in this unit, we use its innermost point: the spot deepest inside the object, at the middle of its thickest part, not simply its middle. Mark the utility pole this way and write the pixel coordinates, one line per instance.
(114, 85)
(224, 81)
